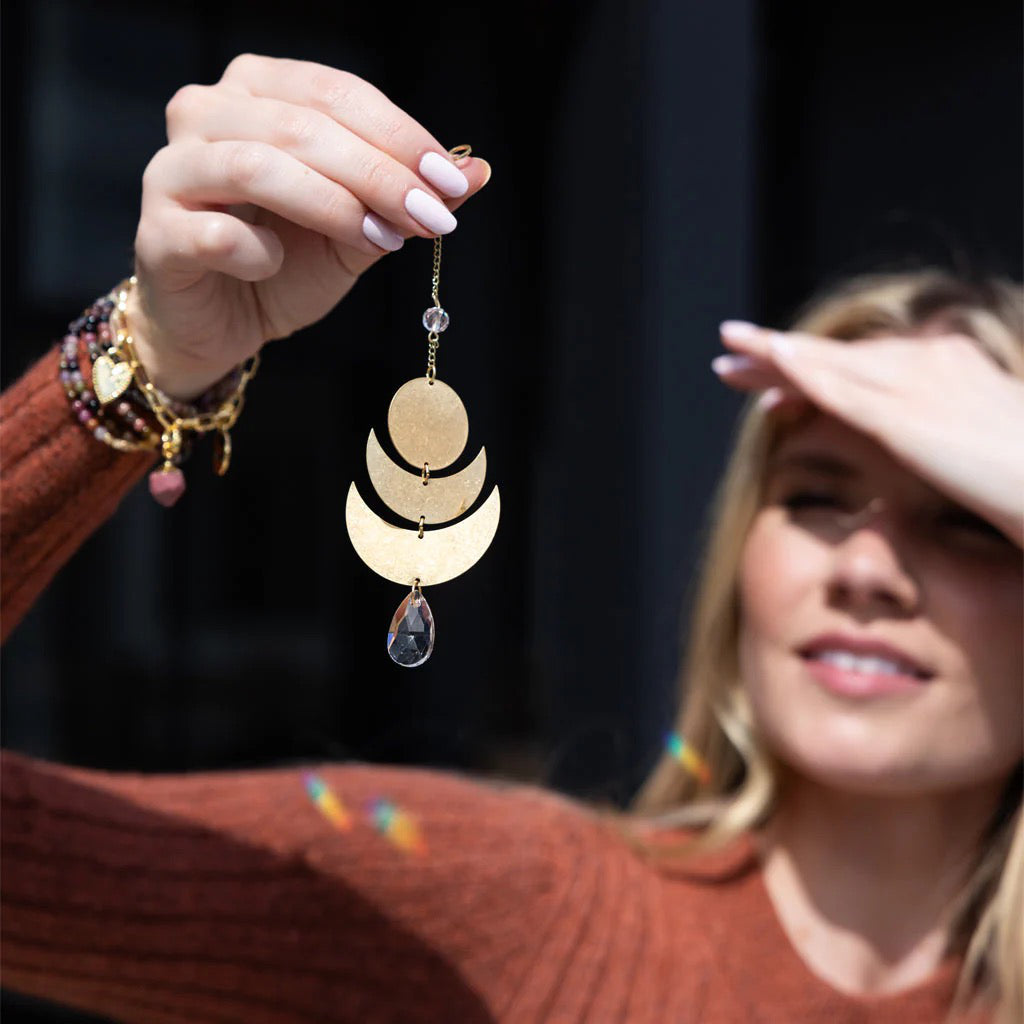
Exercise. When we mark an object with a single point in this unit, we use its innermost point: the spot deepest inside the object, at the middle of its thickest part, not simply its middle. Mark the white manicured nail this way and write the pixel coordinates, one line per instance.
(443, 175)
(433, 215)
(769, 399)
(739, 329)
(731, 363)
(381, 233)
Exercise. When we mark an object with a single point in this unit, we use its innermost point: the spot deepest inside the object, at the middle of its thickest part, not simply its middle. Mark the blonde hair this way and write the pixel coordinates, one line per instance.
(716, 716)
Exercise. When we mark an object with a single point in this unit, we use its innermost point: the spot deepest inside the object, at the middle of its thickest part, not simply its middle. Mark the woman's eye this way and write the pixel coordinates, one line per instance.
(959, 519)
(809, 499)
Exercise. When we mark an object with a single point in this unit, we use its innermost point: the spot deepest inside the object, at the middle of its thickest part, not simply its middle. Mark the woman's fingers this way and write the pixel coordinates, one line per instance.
(793, 351)
(843, 379)
(355, 104)
(226, 173)
(776, 392)
(362, 108)
(783, 401)
(182, 245)
(752, 373)
(747, 373)
(402, 199)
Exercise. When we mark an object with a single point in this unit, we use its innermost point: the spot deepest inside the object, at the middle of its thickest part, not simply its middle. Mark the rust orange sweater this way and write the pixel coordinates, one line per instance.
(227, 897)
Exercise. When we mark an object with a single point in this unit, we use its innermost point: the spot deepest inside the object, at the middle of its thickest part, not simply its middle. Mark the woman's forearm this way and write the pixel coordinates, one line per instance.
(228, 896)
(57, 486)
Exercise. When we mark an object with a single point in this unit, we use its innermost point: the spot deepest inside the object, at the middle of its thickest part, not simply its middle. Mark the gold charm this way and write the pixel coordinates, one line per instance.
(411, 495)
(221, 452)
(429, 428)
(405, 556)
(402, 556)
(428, 423)
(110, 380)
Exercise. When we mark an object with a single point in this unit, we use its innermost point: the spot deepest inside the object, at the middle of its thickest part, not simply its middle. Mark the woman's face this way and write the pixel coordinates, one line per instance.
(914, 570)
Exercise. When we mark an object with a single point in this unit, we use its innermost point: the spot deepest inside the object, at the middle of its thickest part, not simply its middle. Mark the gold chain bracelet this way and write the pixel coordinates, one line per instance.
(167, 483)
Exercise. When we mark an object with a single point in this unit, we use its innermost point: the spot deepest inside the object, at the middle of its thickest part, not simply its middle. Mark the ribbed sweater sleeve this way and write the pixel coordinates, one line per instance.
(228, 896)
(57, 485)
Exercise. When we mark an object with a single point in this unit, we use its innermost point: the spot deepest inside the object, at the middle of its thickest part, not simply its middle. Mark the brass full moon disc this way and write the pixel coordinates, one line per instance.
(428, 423)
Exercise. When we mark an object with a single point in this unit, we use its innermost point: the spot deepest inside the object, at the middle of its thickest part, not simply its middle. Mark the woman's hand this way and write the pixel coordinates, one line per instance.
(940, 405)
(278, 187)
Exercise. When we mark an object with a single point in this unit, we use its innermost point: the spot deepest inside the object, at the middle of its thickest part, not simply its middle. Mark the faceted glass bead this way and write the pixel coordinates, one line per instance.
(411, 633)
(435, 319)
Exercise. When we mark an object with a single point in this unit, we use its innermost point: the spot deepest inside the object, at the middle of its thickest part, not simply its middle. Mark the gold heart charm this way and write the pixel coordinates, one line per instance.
(110, 380)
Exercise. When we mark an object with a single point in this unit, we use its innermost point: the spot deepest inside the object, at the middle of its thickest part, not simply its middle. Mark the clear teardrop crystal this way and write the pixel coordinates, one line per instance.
(411, 633)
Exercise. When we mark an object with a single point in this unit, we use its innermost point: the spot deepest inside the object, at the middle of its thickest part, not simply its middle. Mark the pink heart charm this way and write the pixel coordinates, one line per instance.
(167, 485)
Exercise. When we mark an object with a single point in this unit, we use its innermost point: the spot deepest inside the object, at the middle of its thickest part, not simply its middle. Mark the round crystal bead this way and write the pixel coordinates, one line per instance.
(435, 319)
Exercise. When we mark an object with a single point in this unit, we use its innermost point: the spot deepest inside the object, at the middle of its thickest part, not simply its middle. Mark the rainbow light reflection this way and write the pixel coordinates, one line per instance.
(397, 826)
(327, 803)
(688, 757)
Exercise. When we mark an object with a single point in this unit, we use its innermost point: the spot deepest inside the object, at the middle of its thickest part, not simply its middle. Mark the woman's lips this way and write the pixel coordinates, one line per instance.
(850, 683)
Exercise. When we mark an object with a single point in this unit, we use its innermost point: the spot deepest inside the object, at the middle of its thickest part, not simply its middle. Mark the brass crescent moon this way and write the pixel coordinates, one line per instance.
(402, 556)
(439, 501)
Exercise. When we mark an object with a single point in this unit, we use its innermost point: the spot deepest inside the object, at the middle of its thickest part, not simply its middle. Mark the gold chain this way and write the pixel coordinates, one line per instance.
(123, 445)
(435, 281)
(433, 339)
(173, 426)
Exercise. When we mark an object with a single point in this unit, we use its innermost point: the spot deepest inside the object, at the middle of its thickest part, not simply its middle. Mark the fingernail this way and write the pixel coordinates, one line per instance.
(433, 215)
(738, 329)
(770, 399)
(487, 175)
(443, 175)
(730, 363)
(381, 233)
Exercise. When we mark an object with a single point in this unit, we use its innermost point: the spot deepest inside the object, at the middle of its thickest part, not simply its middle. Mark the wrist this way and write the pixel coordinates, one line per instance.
(179, 377)
(127, 410)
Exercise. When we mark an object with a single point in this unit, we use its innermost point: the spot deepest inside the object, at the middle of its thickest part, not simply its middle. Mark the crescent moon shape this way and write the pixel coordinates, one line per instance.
(402, 556)
(441, 500)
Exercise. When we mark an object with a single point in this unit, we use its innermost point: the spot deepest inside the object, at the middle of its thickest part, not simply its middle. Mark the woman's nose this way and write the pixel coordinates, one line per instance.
(867, 566)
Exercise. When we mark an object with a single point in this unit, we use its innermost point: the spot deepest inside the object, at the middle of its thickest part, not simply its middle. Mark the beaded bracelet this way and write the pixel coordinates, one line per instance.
(127, 428)
(143, 418)
(178, 421)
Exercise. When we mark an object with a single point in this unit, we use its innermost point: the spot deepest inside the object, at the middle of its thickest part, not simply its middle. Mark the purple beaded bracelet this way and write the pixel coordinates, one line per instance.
(129, 426)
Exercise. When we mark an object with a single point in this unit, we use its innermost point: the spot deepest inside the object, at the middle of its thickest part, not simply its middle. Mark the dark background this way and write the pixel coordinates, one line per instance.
(658, 166)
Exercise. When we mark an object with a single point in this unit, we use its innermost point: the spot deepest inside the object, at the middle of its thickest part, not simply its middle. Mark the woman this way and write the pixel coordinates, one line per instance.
(857, 851)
